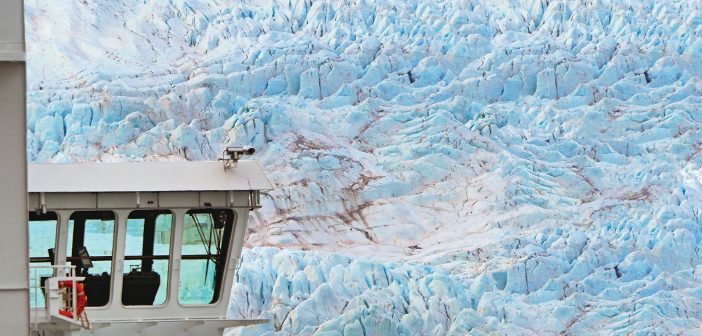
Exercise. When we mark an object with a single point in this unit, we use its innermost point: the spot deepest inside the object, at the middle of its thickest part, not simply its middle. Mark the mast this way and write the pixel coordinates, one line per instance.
(14, 250)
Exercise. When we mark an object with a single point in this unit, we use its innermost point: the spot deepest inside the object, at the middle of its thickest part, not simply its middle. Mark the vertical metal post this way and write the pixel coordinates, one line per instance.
(14, 280)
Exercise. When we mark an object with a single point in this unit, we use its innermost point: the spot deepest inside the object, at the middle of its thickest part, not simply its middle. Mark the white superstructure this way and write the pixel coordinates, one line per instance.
(146, 176)
(155, 244)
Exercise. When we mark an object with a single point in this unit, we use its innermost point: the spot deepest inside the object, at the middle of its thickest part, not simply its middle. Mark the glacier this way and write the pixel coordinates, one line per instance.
(442, 167)
(322, 293)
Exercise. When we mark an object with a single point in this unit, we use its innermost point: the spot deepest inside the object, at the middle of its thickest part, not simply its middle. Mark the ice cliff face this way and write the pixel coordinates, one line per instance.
(330, 294)
(545, 154)
(313, 293)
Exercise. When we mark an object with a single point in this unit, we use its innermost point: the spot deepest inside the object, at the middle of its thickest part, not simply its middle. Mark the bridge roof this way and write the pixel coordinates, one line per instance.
(146, 177)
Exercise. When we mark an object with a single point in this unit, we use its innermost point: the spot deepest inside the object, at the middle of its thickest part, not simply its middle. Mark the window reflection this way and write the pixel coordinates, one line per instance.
(206, 236)
(42, 230)
(147, 253)
(91, 240)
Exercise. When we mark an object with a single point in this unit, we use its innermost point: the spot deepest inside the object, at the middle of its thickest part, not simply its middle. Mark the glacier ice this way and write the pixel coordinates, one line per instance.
(323, 293)
(332, 294)
(541, 158)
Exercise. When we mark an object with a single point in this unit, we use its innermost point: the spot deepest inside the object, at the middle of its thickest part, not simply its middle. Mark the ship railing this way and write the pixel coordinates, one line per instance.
(39, 276)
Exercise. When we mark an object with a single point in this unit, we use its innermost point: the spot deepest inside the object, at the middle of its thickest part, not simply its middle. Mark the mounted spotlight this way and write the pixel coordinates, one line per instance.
(233, 154)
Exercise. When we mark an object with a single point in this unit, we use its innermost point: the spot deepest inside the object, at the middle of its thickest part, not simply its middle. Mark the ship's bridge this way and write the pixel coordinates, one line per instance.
(152, 242)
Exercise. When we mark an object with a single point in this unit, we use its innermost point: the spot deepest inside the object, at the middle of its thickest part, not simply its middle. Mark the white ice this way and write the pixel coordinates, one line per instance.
(540, 158)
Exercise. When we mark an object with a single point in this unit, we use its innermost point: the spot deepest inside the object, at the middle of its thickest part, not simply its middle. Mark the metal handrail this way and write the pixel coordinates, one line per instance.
(71, 273)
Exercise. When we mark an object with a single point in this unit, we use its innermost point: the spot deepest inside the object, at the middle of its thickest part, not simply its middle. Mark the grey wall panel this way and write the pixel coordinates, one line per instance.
(14, 250)
(11, 31)
(14, 260)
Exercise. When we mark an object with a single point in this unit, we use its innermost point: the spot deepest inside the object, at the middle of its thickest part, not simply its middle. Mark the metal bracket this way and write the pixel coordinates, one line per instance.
(232, 155)
(42, 203)
(254, 199)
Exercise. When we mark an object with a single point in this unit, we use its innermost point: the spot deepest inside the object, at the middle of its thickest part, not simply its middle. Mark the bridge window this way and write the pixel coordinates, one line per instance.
(147, 253)
(42, 229)
(91, 240)
(206, 236)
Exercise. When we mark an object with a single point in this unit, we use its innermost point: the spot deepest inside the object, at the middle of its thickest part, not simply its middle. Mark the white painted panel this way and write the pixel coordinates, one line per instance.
(71, 201)
(213, 199)
(146, 176)
(179, 199)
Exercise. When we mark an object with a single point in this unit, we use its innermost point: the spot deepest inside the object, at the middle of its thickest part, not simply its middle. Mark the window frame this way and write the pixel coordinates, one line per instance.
(126, 257)
(35, 276)
(227, 242)
(57, 218)
(70, 234)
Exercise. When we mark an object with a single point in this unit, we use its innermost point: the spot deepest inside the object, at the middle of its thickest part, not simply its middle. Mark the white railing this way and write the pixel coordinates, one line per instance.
(40, 293)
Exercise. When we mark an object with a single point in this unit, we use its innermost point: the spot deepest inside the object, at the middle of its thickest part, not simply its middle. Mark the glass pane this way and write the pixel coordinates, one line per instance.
(196, 282)
(162, 244)
(206, 236)
(42, 233)
(148, 250)
(135, 235)
(161, 268)
(91, 242)
(99, 236)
